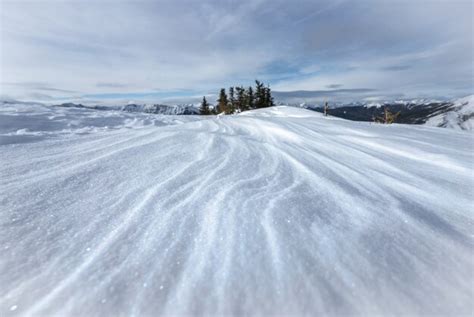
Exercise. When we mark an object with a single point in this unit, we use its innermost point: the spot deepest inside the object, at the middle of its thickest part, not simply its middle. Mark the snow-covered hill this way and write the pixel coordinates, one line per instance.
(274, 211)
(459, 116)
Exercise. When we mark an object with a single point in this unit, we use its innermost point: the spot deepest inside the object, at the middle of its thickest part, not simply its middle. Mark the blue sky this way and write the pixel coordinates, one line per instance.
(177, 51)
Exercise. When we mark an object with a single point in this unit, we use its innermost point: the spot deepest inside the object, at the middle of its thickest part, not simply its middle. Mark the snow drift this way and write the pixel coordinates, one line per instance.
(275, 211)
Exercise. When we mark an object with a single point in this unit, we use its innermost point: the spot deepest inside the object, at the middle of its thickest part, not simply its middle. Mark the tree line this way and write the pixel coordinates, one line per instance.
(239, 99)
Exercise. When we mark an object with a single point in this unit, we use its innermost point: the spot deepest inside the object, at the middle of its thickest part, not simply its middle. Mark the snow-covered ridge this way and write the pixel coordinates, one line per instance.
(277, 211)
(456, 114)
(379, 103)
(185, 109)
(460, 115)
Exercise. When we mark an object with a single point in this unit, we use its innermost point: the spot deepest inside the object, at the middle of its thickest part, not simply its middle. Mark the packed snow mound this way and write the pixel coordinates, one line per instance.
(278, 211)
(460, 116)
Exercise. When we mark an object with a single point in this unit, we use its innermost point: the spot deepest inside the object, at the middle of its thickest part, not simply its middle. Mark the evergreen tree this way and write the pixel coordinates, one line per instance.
(222, 102)
(268, 97)
(259, 94)
(250, 98)
(204, 109)
(232, 103)
(265, 98)
(240, 101)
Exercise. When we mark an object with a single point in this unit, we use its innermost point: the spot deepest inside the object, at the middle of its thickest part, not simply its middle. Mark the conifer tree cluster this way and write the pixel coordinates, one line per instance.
(240, 99)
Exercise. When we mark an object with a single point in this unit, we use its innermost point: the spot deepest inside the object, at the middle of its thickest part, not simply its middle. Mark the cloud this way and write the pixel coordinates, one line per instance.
(318, 93)
(111, 85)
(79, 48)
(338, 95)
(396, 68)
(56, 90)
(35, 87)
(39, 97)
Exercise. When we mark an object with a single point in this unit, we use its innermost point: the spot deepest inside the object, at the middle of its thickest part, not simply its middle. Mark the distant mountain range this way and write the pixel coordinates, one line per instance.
(163, 109)
(187, 109)
(457, 114)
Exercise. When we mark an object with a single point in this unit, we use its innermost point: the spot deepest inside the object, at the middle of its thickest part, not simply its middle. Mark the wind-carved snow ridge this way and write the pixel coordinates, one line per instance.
(274, 211)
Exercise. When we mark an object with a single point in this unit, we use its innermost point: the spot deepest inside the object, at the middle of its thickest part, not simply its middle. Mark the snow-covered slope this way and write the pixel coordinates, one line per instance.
(162, 109)
(460, 116)
(27, 122)
(275, 211)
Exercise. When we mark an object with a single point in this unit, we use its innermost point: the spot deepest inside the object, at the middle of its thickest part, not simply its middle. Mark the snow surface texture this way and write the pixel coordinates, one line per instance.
(275, 211)
(460, 117)
(34, 122)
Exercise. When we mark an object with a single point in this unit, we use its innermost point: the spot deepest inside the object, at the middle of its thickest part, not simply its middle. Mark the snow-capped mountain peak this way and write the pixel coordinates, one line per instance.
(459, 116)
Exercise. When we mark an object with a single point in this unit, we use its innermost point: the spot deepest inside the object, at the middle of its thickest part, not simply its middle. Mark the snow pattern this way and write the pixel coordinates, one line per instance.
(273, 211)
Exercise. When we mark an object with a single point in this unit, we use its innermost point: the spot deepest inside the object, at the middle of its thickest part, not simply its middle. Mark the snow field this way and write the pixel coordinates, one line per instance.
(274, 211)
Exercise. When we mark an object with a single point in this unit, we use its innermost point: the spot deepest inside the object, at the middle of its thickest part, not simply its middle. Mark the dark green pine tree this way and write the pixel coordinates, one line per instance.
(259, 94)
(222, 102)
(265, 96)
(232, 103)
(250, 99)
(204, 109)
(268, 97)
(240, 100)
